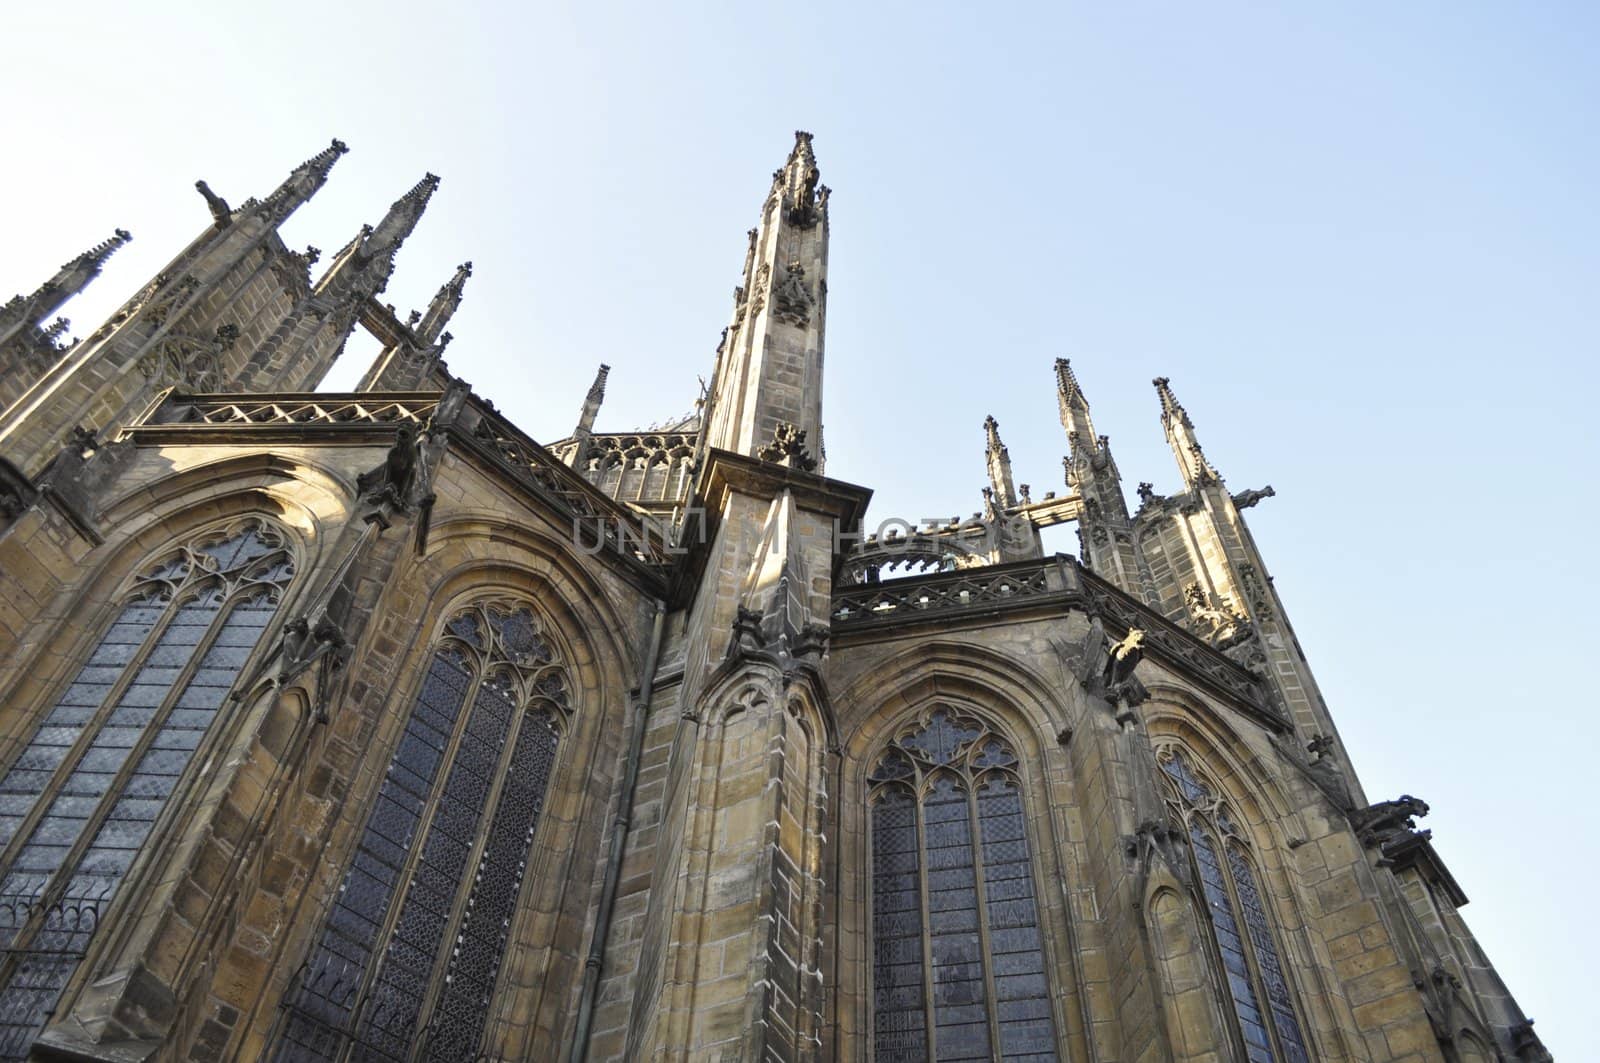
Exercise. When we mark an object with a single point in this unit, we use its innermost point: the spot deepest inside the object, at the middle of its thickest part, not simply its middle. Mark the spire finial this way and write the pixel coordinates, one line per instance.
(991, 433)
(801, 182)
(69, 280)
(597, 390)
(94, 258)
(444, 305)
(402, 218)
(302, 183)
(591, 408)
(1171, 408)
(1067, 388)
(1192, 461)
(998, 459)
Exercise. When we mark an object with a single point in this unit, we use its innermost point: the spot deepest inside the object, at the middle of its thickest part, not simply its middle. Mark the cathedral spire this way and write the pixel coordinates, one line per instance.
(591, 410)
(1192, 463)
(768, 381)
(999, 461)
(301, 184)
(592, 401)
(362, 267)
(1074, 405)
(444, 304)
(402, 218)
(1171, 408)
(93, 260)
(69, 280)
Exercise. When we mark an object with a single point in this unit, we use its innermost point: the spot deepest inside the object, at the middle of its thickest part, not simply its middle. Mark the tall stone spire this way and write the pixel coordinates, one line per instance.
(444, 305)
(301, 184)
(401, 219)
(591, 410)
(1192, 463)
(305, 344)
(592, 401)
(999, 462)
(768, 381)
(1104, 527)
(1074, 404)
(362, 267)
(74, 276)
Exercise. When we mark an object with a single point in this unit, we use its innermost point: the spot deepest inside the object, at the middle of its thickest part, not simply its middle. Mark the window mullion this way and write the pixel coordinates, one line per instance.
(408, 871)
(91, 727)
(986, 952)
(491, 802)
(1209, 928)
(1247, 940)
(55, 887)
(930, 1015)
(1253, 952)
(1214, 838)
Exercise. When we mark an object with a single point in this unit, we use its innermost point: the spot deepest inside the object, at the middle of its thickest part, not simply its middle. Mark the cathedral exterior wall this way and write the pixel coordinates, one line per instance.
(362, 725)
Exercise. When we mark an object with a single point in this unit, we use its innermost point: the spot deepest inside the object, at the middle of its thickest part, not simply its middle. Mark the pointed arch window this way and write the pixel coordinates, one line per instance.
(1263, 1004)
(958, 964)
(408, 957)
(82, 797)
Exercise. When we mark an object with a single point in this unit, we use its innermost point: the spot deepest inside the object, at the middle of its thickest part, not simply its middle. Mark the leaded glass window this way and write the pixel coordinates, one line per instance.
(957, 963)
(406, 962)
(80, 800)
(1263, 1004)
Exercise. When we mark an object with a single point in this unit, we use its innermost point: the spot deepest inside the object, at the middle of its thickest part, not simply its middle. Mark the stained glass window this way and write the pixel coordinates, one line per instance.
(957, 963)
(1240, 927)
(80, 800)
(430, 893)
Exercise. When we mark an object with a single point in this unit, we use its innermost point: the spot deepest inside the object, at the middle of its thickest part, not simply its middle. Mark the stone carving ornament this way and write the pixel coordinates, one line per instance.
(792, 300)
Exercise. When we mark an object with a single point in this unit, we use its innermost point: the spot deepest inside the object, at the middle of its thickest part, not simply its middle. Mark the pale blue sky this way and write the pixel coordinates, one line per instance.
(1360, 239)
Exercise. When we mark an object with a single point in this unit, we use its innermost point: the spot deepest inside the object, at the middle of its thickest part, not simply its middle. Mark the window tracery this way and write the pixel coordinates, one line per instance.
(958, 964)
(456, 814)
(82, 797)
(645, 469)
(1240, 925)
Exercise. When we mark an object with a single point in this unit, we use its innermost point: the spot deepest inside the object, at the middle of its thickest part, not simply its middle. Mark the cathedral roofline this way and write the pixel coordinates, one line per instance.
(600, 525)
(1049, 587)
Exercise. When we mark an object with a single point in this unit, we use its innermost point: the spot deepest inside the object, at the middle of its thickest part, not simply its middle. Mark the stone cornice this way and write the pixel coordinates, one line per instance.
(726, 473)
(1417, 852)
(608, 529)
(1047, 587)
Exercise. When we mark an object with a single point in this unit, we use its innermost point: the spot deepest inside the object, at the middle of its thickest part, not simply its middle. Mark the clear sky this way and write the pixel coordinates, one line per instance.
(1360, 239)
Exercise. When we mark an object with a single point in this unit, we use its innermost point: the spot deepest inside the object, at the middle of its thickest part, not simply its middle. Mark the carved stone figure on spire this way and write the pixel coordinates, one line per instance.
(792, 300)
(801, 178)
(788, 447)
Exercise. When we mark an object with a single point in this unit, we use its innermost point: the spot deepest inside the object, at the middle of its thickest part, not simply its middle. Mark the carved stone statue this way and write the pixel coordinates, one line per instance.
(1246, 499)
(1214, 620)
(788, 447)
(390, 483)
(1380, 825)
(1123, 658)
(792, 300)
(221, 213)
(304, 644)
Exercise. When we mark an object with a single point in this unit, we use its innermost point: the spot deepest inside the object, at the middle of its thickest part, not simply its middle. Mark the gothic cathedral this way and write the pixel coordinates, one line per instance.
(364, 726)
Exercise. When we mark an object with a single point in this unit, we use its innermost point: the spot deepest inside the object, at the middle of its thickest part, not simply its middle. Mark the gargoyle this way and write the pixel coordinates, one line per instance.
(1246, 499)
(1386, 822)
(304, 644)
(1121, 660)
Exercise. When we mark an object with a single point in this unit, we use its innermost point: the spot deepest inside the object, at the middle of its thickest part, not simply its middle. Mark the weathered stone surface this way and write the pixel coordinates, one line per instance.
(732, 661)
